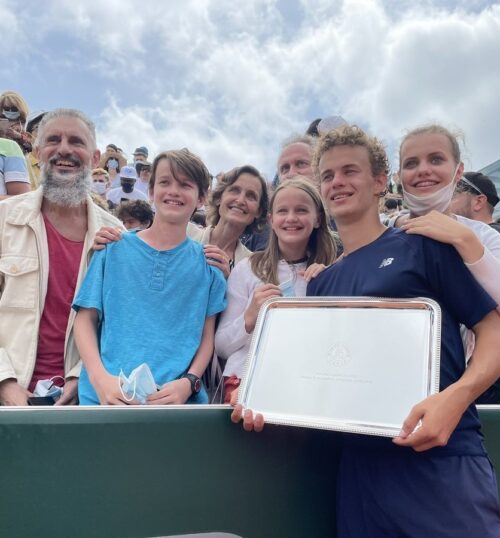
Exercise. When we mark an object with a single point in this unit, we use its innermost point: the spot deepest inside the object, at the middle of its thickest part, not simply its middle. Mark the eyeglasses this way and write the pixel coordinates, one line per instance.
(464, 185)
(10, 109)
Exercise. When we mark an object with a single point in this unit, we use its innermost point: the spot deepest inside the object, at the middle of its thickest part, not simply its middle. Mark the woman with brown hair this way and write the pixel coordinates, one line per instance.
(300, 247)
(238, 205)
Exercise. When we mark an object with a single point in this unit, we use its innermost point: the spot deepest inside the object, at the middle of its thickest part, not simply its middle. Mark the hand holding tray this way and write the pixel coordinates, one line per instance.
(355, 364)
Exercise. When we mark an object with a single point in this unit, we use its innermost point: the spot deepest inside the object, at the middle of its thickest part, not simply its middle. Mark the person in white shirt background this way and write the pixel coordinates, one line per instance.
(126, 190)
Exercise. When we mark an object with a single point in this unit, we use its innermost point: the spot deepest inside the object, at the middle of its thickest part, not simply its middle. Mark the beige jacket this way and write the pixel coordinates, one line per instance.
(24, 268)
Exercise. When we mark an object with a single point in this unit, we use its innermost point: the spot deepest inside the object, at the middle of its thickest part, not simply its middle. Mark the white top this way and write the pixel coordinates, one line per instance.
(115, 195)
(232, 342)
(142, 186)
(487, 269)
(202, 235)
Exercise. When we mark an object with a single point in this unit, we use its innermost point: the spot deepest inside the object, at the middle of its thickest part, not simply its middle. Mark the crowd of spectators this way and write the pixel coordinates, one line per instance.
(111, 292)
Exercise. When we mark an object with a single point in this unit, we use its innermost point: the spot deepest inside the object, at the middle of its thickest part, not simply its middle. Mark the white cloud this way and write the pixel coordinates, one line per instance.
(13, 41)
(176, 123)
(231, 80)
(442, 67)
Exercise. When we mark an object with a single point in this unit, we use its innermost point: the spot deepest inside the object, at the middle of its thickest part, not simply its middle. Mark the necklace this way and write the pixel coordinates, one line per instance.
(293, 262)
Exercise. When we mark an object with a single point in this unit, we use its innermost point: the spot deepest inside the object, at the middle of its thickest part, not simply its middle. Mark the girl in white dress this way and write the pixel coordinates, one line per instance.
(300, 247)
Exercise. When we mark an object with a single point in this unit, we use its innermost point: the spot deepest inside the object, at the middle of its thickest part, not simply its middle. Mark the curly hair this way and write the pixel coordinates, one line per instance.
(225, 181)
(100, 172)
(352, 135)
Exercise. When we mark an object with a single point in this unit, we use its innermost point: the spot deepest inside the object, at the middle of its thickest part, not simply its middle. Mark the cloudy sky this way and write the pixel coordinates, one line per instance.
(230, 79)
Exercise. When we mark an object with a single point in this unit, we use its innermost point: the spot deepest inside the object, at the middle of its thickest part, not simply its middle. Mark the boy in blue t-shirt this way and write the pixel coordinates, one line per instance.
(152, 298)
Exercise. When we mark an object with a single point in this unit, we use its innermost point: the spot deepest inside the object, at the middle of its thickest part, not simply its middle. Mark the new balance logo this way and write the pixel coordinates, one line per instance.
(386, 262)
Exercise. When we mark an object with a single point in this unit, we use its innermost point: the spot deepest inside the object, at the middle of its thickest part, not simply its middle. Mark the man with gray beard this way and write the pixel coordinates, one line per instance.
(45, 246)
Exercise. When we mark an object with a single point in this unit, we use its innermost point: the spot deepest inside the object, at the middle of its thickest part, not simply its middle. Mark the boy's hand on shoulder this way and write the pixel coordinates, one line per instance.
(312, 271)
(173, 393)
(218, 258)
(106, 235)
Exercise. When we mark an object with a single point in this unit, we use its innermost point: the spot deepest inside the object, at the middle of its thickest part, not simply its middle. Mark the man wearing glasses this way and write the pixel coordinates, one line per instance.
(475, 198)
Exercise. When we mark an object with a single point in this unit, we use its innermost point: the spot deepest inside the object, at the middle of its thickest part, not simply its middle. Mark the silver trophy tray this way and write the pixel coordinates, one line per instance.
(353, 364)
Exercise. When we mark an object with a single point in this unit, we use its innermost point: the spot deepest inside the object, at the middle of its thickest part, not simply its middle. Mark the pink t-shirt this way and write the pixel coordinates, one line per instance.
(64, 262)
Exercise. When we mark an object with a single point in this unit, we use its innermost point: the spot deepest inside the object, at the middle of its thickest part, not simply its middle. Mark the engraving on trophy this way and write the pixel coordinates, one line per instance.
(338, 355)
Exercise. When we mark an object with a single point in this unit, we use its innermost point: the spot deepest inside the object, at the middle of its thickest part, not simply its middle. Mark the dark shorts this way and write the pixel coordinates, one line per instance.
(385, 495)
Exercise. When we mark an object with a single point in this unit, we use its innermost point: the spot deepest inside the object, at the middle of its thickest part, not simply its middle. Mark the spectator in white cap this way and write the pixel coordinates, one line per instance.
(127, 190)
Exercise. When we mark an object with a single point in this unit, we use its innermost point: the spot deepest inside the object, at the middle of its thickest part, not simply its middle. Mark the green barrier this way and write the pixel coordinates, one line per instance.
(154, 472)
(490, 420)
(136, 472)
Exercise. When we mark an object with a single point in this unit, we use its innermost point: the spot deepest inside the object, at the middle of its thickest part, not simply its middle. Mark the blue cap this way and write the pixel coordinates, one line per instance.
(142, 150)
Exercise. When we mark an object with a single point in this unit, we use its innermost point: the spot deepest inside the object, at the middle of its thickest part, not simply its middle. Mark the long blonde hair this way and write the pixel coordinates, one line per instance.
(320, 248)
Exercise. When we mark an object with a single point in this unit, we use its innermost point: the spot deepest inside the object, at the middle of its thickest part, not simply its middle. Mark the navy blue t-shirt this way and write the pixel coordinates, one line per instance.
(399, 265)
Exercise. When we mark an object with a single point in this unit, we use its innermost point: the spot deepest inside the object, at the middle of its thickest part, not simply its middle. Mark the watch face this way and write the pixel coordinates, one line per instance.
(197, 386)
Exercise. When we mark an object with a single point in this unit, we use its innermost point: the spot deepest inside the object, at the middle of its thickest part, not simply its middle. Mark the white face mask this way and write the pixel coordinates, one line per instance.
(138, 385)
(438, 200)
(46, 387)
(99, 187)
(11, 115)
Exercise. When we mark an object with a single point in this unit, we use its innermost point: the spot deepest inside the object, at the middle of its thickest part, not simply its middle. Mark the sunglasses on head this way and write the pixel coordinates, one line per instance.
(464, 185)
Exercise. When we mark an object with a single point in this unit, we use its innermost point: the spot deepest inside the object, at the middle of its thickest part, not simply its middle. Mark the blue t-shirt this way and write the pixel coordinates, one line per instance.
(400, 265)
(152, 307)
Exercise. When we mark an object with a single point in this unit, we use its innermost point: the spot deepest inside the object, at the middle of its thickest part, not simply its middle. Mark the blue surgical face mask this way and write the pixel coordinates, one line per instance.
(138, 385)
(287, 288)
(46, 387)
(11, 115)
(99, 187)
(113, 163)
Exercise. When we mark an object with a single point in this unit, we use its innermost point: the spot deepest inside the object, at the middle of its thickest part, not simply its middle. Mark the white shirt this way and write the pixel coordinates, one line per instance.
(232, 342)
(142, 186)
(115, 195)
(487, 269)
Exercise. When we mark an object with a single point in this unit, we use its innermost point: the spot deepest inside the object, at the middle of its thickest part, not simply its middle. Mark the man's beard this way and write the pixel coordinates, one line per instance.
(68, 190)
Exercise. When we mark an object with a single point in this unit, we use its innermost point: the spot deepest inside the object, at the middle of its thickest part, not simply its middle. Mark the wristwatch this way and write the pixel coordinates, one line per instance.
(195, 382)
